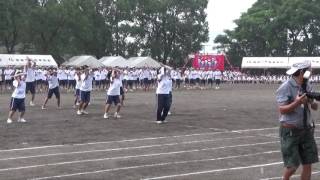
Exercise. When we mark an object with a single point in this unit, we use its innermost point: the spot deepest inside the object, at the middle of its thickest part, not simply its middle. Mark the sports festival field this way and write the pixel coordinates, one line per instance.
(226, 134)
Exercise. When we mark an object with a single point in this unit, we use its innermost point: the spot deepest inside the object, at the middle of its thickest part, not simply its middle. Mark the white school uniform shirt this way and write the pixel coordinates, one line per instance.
(217, 75)
(1, 72)
(209, 75)
(71, 74)
(38, 74)
(78, 81)
(43, 77)
(31, 76)
(8, 74)
(130, 75)
(53, 82)
(97, 75)
(103, 75)
(125, 75)
(20, 90)
(164, 85)
(63, 75)
(59, 74)
(86, 84)
(170, 85)
(114, 89)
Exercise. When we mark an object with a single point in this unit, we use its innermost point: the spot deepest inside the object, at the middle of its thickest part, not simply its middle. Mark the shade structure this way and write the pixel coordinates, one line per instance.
(21, 60)
(114, 61)
(277, 62)
(78, 61)
(140, 62)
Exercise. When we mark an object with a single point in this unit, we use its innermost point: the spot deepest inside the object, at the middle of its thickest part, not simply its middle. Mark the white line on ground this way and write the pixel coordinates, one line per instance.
(248, 130)
(130, 140)
(272, 178)
(125, 148)
(136, 156)
(213, 171)
(153, 165)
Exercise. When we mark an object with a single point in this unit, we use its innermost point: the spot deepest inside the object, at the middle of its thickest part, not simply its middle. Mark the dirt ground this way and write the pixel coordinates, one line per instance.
(230, 133)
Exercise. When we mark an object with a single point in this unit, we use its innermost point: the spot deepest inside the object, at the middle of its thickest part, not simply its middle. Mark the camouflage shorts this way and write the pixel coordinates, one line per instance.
(298, 146)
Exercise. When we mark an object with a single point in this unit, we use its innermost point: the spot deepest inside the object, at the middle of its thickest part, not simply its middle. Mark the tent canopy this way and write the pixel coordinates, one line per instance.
(277, 62)
(21, 60)
(114, 61)
(78, 61)
(140, 62)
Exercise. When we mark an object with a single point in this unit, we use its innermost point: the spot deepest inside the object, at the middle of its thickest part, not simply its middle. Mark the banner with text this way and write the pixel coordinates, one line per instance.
(208, 62)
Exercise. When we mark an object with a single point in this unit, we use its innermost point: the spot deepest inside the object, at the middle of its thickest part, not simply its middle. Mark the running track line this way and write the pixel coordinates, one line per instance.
(120, 149)
(313, 173)
(134, 140)
(136, 156)
(153, 165)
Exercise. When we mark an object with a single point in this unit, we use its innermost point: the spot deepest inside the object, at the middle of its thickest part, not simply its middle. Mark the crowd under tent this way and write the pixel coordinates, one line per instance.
(78, 61)
(114, 61)
(276, 62)
(21, 60)
(140, 62)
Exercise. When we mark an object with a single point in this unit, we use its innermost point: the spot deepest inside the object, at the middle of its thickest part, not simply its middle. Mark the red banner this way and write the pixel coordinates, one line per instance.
(208, 62)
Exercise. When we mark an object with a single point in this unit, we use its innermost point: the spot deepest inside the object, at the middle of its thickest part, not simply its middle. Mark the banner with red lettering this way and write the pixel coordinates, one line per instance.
(208, 62)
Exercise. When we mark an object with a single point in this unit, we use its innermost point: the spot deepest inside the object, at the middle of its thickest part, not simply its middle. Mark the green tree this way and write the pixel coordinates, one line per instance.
(274, 28)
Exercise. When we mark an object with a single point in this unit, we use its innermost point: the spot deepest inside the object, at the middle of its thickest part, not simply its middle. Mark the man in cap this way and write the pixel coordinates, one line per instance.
(298, 145)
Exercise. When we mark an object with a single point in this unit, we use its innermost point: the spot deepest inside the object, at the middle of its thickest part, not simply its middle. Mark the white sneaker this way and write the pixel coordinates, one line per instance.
(169, 113)
(31, 103)
(9, 121)
(43, 108)
(117, 116)
(79, 112)
(159, 122)
(84, 112)
(105, 116)
(22, 120)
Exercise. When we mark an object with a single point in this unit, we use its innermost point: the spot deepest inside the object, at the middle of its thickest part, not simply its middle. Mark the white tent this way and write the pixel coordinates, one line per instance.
(114, 61)
(265, 62)
(78, 61)
(277, 62)
(21, 60)
(139, 62)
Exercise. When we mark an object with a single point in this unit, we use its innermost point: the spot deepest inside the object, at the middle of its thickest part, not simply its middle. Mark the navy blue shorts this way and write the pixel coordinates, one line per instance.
(113, 99)
(17, 104)
(77, 92)
(30, 86)
(85, 96)
(54, 91)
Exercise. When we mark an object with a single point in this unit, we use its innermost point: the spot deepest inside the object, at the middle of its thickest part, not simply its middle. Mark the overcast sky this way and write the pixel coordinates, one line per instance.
(222, 13)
